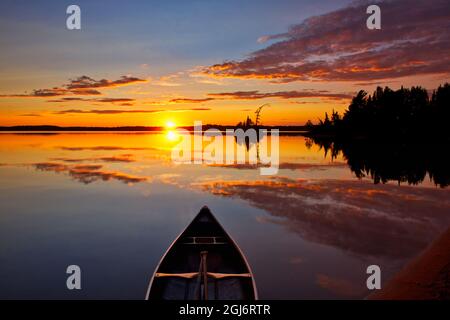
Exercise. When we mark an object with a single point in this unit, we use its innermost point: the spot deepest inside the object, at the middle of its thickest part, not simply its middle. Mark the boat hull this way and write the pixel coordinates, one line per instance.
(203, 263)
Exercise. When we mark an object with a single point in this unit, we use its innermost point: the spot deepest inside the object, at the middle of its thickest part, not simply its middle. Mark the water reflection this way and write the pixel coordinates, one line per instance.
(383, 221)
(312, 225)
(410, 163)
(88, 173)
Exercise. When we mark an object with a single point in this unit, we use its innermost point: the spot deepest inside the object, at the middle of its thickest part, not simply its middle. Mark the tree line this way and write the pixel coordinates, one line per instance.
(402, 113)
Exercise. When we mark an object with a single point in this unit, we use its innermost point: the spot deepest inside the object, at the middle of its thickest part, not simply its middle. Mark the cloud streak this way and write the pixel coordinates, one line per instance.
(187, 100)
(83, 85)
(102, 100)
(120, 111)
(114, 111)
(256, 95)
(338, 46)
(85, 82)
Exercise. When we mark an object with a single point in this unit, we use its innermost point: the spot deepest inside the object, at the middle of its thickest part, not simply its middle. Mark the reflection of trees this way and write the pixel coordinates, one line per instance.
(368, 220)
(385, 162)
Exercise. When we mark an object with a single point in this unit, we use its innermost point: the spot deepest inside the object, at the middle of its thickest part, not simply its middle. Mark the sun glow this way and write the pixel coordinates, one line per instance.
(170, 124)
(172, 135)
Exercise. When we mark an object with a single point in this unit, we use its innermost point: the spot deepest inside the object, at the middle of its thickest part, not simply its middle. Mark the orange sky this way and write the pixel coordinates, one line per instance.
(131, 70)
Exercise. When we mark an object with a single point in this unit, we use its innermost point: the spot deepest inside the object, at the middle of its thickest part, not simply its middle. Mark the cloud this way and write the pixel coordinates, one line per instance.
(263, 39)
(30, 115)
(83, 85)
(78, 111)
(118, 111)
(338, 46)
(85, 82)
(253, 95)
(168, 81)
(53, 92)
(103, 100)
(190, 109)
(88, 173)
(187, 100)
(382, 221)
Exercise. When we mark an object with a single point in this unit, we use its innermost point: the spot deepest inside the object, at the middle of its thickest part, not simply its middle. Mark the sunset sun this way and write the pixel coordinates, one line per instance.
(170, 124)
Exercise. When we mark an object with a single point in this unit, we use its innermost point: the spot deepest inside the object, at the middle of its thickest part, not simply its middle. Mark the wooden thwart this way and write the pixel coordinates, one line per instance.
(214, 275)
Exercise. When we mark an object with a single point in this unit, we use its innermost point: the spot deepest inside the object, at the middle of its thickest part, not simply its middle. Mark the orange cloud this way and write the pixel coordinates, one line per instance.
(337, 46)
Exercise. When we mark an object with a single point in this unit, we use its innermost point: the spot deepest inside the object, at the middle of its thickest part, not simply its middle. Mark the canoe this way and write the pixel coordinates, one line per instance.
(203, 263)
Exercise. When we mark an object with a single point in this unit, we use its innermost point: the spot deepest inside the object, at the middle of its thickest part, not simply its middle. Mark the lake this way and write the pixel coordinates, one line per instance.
(112, 203)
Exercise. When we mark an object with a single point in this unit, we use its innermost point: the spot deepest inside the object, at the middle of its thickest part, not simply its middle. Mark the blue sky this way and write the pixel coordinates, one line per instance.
(168, 35)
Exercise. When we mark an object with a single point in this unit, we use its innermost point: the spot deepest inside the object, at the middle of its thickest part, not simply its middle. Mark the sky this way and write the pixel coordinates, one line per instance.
(153, 62)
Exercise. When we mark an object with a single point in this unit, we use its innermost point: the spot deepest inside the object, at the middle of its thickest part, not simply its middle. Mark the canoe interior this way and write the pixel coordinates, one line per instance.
(223, 257)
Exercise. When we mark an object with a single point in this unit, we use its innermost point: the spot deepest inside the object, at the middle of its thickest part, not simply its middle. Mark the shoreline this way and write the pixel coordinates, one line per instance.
(426, 277)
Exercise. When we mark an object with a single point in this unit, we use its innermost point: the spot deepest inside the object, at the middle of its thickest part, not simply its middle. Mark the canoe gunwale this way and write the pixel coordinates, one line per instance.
(232, 243)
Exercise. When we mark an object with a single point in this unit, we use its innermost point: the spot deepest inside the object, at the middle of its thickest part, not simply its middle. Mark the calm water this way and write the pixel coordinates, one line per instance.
(113, 202)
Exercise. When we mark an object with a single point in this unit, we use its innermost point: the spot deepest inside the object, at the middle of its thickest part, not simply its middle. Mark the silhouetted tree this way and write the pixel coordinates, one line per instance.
(394, 114)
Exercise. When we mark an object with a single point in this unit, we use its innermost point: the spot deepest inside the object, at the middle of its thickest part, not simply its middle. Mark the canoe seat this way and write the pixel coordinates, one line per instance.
(205, 240)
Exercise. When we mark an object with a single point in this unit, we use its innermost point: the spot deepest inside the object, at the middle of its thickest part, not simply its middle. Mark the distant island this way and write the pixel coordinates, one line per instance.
(51, 128)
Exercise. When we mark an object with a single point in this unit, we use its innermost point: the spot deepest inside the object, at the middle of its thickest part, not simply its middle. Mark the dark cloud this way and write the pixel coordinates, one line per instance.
(103, 100)
(88, 173)
(54, 92)
(119, 111)
(187, 100)
(78, 111)
(83, 85)
(365, 219)
(85, 82)
(253, 95)
(338, 46)
(30, 115)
